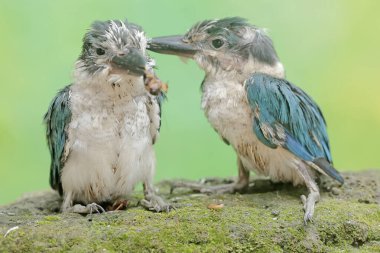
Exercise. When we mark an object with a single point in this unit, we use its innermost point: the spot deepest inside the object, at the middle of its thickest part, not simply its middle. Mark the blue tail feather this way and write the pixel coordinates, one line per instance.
(329, 169)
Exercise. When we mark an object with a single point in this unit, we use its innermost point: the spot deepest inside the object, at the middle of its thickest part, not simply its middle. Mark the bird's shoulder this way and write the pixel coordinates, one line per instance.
(264, 86)
(59, 109)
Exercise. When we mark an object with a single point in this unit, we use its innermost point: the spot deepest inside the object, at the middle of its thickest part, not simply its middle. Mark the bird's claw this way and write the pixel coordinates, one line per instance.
(95, 207)
(120, 204)
(88, 209)
(156, 204)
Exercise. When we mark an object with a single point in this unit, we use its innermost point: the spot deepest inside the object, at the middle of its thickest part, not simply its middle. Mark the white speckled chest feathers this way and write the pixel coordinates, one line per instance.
(226, 107)
(110, 137)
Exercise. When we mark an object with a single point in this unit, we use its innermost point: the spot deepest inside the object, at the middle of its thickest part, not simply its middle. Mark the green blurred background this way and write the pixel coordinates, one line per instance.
(329, 48)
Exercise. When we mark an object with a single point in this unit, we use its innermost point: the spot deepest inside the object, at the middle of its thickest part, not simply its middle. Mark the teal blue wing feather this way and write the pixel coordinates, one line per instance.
(286, 116)
(57, 119)
(161, 97)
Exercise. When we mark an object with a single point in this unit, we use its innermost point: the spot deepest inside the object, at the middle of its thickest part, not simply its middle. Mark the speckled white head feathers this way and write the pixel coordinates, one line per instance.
(229, 46)
(114, 44)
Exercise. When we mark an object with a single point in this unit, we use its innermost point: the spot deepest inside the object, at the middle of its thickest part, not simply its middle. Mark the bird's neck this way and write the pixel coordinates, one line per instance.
(106, 85)
(276, 70)
(240, 75)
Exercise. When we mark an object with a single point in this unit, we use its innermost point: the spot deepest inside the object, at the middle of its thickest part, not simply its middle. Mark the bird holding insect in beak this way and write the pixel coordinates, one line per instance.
(275, 128)
(102, 127)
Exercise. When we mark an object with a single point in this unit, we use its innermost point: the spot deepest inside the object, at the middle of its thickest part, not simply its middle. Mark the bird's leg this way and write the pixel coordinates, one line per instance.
(152, 201)
(241, 185)
(67, 206)
(312, 198)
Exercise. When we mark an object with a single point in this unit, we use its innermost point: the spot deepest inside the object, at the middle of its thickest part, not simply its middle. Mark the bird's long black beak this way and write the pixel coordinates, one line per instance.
(132, 61)
(172, 45)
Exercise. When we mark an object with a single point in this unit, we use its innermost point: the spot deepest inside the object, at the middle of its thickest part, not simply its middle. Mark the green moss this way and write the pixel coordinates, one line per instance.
(262, 222)
(52, 218)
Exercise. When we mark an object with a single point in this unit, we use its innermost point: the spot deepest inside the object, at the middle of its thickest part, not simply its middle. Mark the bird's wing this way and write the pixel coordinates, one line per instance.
(57, 119)
(160, 98)
(286, 116)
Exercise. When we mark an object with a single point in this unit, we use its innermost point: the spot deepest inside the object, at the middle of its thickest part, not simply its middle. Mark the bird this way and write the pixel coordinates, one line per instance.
(101, 128)
(275, 128)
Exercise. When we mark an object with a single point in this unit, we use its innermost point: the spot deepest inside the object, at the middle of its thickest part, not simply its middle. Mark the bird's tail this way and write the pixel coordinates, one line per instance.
(323, 164)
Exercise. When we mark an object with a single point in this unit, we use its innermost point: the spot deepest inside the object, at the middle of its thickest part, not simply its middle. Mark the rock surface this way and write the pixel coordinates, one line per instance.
(267, 219)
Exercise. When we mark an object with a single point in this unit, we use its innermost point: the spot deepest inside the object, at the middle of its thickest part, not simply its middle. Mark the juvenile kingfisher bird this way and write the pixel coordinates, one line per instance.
(102, 127)
(275, 128)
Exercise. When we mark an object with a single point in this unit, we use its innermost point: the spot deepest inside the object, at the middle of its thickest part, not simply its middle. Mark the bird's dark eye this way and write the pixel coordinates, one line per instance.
(100, 51)
(217, 43)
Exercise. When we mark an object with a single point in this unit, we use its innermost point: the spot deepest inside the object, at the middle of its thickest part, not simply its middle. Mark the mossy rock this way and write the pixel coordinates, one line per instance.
(267, 219)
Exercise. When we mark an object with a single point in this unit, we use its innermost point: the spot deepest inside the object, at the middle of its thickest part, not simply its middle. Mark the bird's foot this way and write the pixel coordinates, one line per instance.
(202, 187)
(120, 204)
(88, 209)
(156, 203)
(308, 205)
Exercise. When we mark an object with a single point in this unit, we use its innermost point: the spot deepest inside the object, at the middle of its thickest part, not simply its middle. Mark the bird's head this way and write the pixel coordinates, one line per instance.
(113, 48)
(229, 45)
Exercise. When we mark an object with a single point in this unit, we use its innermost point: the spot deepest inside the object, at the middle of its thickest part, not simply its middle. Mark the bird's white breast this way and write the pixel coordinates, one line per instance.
(226, 107)
(110, 145)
